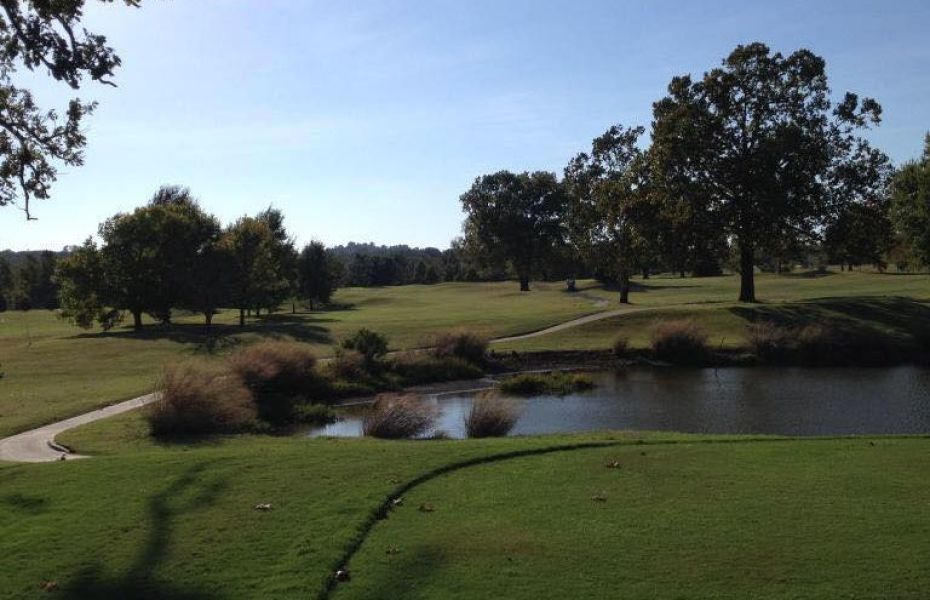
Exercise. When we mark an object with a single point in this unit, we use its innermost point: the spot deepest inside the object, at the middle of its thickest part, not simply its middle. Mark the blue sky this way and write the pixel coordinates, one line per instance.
(365, 121)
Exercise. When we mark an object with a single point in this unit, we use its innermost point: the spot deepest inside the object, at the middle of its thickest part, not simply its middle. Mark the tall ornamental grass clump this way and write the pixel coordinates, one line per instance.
(399, 416)
(280, 376)
(769, 341)
(491, 416)
(680, 342)
(461, 344)
(198, 400)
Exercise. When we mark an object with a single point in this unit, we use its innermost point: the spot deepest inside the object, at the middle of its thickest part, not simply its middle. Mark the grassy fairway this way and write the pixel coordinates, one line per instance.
(53, 370)
(814, 518)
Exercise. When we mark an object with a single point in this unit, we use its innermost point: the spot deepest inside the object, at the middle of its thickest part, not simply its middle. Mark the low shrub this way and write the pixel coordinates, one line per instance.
(371, 344)
(822, 344)
(621, 346)
(416, 369)
(557, 382)
(769, 341)
(465, 345)
(397, 416)
(347, 364)
(280, 375)
(490, 416)
(679, 342)
(198, 400)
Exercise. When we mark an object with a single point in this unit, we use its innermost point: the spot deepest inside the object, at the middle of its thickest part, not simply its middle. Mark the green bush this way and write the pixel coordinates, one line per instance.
(372, 345)
(557, 382)
(465, 345)
(395, 416)
(490, 416)
(198, 400)
(680, 342)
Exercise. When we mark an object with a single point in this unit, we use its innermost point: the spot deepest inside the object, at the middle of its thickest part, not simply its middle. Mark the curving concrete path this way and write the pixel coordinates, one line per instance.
(573, 323)
(38, 445)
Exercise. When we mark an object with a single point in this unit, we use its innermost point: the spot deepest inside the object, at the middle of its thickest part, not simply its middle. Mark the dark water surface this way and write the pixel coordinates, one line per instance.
(785, 401)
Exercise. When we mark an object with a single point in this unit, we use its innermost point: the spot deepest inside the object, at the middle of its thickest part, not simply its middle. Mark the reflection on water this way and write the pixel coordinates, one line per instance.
(786, 401)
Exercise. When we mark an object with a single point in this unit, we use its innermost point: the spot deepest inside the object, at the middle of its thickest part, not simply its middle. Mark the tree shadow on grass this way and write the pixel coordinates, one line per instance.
(220, 337)
(901, 317)
(30, 505)
(410, 568)
(193, 490)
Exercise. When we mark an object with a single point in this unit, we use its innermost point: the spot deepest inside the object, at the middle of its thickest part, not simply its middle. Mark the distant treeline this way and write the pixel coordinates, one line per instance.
(26, 279)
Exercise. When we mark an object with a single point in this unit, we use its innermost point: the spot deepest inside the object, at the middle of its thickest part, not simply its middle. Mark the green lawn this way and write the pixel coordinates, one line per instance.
(692, 517)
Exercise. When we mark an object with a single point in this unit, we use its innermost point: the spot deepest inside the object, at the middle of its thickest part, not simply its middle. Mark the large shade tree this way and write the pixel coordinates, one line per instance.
(759, 143)
(612, 218)
(45, 35)
(517, 218)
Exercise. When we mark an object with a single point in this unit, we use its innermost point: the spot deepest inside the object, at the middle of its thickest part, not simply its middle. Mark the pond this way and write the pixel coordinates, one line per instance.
(783, 401)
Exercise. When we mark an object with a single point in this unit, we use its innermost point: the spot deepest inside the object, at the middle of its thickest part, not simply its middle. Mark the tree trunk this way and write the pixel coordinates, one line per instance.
(137, 320)
(258, 312)
(524, 283)
(241, 317)
(682, 274)
(311, 303)
(747, 281)
(624, 286)
(645, 272)
(293, 308)
(208, 317)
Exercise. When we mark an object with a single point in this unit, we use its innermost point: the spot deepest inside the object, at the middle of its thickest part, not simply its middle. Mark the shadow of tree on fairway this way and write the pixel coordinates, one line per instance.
(31, 505)
(220, 337)
(191, 491)
(410, 570)
(895, 315)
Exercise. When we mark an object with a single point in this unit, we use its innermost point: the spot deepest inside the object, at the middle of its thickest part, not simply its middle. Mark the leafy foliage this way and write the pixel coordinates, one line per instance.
(911, 204)
(45, 34)
(515, 218)
(370, 344)
(758, 144)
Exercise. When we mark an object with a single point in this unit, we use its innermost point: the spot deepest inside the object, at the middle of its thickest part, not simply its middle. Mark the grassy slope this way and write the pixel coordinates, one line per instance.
(892, 304)
(53, 370)
(803, 518)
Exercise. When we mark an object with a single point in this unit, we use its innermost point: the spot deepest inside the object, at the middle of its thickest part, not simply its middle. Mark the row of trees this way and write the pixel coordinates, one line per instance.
(171, 254)
(754, 157)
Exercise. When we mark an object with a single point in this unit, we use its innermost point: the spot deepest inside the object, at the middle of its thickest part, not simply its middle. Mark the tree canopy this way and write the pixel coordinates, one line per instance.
(516, 218)
(758, 144)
